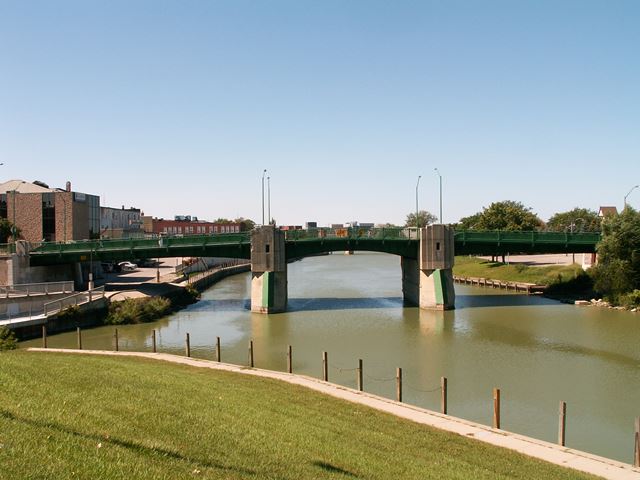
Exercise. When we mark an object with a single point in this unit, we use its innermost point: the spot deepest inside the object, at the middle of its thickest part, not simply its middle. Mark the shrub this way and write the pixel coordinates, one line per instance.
(7, 339)
(137, 310)
(70, 314)
(581, 283)
(631, 300)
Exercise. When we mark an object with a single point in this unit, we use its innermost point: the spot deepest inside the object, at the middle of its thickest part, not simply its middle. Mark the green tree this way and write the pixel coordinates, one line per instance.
(424, 219)
(222, 220)
(505, 215)
(470, 222)
(583, 220)
(618, 270)
(6, 230)
(246, 223)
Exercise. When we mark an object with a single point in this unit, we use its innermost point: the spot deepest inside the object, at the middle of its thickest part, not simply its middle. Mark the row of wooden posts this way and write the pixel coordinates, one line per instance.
(562, 413)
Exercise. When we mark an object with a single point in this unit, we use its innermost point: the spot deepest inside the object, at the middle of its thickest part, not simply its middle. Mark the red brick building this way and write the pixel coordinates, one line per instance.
(49, 214)
(188, 226)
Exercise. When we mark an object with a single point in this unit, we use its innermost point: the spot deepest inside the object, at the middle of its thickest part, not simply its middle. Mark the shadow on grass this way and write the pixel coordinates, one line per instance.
(327, 467)
(134, 446)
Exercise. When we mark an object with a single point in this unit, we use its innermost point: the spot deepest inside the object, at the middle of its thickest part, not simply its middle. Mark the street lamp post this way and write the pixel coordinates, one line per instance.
(629, 193)
(573, 224)
(269, 200)
(417, 218)
(440, 177)
(263, 174)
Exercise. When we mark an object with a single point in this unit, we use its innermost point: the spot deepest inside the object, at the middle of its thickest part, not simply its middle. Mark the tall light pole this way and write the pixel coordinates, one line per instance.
(629, 193)
(269, 200)
(417, 220)
(264, 172)
(573, 224)
(440, 177)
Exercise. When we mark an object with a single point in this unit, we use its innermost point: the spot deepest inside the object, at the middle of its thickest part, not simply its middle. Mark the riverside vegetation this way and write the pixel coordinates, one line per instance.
(79, 416)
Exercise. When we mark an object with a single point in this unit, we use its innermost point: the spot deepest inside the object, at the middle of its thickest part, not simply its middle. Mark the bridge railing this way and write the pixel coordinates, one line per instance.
(352, 233)
(134, 243)
(533, 237)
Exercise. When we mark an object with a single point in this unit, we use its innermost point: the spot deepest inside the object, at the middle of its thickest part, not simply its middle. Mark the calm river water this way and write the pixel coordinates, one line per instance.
(537, 351)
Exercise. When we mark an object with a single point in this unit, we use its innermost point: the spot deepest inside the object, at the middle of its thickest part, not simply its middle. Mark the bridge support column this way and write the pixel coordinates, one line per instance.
(268, 271)
(428, 281)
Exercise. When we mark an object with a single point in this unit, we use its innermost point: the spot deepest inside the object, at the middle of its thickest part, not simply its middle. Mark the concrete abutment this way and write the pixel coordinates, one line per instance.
(268, 271)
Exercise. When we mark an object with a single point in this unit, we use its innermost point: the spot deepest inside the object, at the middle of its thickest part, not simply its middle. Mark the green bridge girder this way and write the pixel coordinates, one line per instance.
(303, 243)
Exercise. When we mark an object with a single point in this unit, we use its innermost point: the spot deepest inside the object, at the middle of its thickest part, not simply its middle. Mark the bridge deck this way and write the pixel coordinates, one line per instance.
(302, 243)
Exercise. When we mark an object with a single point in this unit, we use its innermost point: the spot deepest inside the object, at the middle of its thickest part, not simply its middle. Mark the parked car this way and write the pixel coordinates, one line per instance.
(127, 266)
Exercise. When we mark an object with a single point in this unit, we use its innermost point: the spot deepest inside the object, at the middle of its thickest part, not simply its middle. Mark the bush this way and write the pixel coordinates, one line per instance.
(70, 314)
(137, 310)
(631, 300)
(7, 339)
(581, 283)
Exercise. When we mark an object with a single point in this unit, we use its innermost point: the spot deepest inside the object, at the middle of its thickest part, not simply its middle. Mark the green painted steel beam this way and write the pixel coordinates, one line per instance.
(304, 243)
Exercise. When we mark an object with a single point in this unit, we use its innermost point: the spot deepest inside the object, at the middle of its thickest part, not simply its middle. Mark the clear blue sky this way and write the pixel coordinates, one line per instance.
(176, 107)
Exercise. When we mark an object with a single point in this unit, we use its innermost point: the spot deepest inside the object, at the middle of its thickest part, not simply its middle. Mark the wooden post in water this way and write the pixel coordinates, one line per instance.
(188, 346)
(153, 341)
(562, 423)
(217, 349)
(79, 334)
(251, 353)
(636, 450)
(44, 336)
(115, 336)
(289, 360)
(443, 395)
(360, 386)
(399, 384)
(325, 367)
(496, 408)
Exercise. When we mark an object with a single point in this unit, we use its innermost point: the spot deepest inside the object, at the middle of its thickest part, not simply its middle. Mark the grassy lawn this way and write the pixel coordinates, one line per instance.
(477, 267)
(89, 417)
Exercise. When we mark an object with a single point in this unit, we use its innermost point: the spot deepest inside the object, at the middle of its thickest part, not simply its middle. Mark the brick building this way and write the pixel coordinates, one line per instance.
(188, 226)
(49, 214)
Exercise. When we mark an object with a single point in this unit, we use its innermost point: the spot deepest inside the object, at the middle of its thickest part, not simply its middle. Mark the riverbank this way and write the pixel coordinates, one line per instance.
(219, 424)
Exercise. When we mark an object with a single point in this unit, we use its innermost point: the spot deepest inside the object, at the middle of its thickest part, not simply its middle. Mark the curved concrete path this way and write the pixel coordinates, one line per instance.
(549, 452)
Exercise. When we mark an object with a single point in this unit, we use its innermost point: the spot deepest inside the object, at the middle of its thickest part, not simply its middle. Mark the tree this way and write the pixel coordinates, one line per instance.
(6, 230)
(470, 222)
(424, 219)
(505, 215)
(583, 220)
(245, 223)
(222, 220)
(618, 270)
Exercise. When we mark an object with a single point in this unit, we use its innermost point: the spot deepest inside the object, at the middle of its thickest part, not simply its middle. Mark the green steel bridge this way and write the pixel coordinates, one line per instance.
(303, 243)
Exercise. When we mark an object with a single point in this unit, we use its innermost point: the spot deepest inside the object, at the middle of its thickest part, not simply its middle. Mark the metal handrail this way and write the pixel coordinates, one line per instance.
(31, 288)
(75, 299)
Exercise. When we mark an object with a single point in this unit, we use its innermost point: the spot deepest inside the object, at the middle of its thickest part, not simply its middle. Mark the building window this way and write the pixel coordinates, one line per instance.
(3, 205)
(48, 217)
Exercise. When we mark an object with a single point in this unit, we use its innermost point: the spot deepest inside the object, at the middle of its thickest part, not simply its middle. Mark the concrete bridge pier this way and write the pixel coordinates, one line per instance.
(268, 271)
(428, 280)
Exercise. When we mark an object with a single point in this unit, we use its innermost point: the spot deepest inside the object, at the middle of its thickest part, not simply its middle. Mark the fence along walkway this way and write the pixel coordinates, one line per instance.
(27, 289)
(76, 299)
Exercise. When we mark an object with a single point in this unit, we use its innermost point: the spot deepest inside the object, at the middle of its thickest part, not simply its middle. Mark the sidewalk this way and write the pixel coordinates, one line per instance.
(542, 450)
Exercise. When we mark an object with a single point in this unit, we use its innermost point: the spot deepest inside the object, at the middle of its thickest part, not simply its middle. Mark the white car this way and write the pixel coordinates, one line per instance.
(127, 267)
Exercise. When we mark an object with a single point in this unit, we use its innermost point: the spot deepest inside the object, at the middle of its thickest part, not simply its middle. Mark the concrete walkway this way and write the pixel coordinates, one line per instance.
(542, 450)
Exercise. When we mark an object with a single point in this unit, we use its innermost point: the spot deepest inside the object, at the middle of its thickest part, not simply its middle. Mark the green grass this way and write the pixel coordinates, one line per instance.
(477, 267)
(68, 416)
